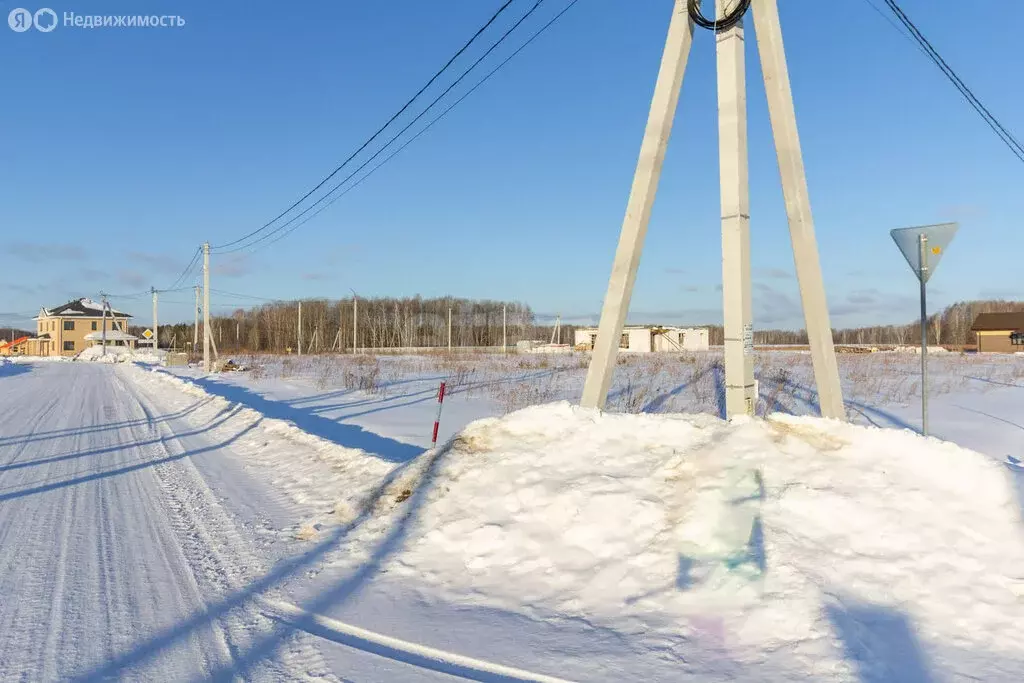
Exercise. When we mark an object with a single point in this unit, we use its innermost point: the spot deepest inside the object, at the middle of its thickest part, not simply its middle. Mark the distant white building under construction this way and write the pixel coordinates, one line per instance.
(649, 338)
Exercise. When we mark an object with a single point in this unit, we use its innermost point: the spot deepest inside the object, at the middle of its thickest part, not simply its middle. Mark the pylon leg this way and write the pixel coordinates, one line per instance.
(638, 210)
(768, 32)
(737, 308)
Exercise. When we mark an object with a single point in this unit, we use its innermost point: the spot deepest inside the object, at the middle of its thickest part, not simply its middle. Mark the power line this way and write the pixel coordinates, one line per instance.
(241, 296)
(394, 137)
(896, 27)
(278, 231)
(188, 268)
(440, 116)
(380, 130)
(1006, 136)
(133, 295)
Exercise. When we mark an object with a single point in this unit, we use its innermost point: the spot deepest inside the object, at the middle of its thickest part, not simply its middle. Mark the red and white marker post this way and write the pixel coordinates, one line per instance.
(437, 420)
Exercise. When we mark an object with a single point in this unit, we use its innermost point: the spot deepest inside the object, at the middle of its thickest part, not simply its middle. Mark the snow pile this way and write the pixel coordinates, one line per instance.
(121, 354)
(759, 541)
(114, 354)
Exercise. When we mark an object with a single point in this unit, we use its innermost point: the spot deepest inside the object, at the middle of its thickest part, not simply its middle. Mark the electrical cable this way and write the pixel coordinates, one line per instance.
(444, 113)
(134, 295)
(241, 296)
(188, 268)
(1006, 136)
(896, 27)
(717, 25)
(380, 130)
(394, 137)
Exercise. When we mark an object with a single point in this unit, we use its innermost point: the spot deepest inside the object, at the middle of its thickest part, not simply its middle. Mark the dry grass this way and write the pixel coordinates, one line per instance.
(657, 382)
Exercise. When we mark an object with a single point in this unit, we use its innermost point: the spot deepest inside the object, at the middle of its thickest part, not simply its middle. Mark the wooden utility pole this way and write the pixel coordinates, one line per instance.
(156, 321)
(449, 329)
(195, 330)
(504, 329)
(355, 322)
(206, 307)
(300, 328)
(103, 322)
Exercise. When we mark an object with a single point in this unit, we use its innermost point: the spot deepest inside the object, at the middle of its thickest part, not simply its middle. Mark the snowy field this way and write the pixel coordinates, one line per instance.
(290, 522)
(394, 395)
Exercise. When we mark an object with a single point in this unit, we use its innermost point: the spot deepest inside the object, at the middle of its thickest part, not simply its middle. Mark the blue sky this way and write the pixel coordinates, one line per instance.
(125, 148)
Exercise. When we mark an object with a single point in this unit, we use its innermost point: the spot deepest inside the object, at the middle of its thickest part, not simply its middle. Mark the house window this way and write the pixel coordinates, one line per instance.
(624, 341)
(69, 345)
(93, 325)
(69, 325)
(1017, 338)
(113, 325)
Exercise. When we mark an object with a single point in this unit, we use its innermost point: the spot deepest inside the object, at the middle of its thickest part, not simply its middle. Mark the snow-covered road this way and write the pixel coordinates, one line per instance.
(112, 548)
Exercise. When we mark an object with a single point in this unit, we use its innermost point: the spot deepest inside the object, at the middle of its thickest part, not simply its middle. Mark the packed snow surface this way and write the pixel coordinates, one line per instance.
(117, 562)
(782, 546)
(182, 526)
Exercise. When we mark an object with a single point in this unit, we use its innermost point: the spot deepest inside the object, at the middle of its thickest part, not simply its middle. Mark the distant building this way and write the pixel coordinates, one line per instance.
(648, 338)
(69, 329)
(999, 332)
(15, 347)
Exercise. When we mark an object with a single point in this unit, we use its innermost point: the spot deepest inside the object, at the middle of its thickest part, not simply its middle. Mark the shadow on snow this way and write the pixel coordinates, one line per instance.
(347, 435)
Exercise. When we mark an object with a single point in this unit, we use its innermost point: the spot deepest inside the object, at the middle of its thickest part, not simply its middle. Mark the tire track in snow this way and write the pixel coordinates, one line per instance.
(91, 562)
(222, 560)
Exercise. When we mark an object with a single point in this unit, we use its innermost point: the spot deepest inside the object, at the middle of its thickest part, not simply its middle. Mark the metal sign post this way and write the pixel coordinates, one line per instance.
(923, 247)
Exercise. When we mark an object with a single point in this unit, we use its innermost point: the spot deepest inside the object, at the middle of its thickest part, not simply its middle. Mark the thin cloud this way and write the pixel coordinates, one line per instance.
(773, 273)
(43, 253)
(161, 263)
(864, 296)
(773, 306)
(131, 278)
(314, 277)
(1000, 293)
(233, 266)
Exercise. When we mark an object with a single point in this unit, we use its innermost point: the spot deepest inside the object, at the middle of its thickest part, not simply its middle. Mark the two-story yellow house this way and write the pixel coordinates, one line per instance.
(69, 329)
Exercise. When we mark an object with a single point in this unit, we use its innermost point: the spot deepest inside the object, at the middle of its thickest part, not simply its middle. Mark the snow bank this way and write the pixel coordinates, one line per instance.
(787, 548)
(37, 359)
(120, 354)
(741, 537)
(332, 484)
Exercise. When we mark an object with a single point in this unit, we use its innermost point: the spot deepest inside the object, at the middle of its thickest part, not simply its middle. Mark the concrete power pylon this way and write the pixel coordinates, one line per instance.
(732, 128)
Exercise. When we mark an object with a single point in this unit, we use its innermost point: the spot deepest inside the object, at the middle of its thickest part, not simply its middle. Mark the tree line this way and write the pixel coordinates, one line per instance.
(388, 323)
(948, 327)
(368, 324)
(11, 333)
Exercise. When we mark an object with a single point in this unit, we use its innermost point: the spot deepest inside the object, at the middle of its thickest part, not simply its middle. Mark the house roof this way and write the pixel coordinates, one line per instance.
(81, 308)
(997, 322)
(19, 340)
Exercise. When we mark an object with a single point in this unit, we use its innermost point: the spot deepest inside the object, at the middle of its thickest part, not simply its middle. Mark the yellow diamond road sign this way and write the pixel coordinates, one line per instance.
(148, 334)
